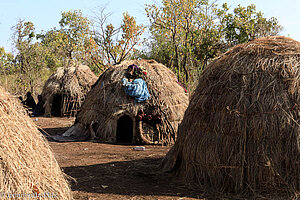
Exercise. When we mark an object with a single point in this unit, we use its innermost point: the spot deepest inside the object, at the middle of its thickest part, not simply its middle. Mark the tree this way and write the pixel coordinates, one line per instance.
(29, 60)
(115, 44)
(6, 61)
(71, 41)
(22, 37)
(187, 34)
(54, 52)
(247, 24)
(6, 65)
(75, 32)
(178, 27)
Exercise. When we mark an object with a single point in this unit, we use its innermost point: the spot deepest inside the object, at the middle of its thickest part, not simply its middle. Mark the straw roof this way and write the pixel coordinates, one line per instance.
(107, 102)
(28, 167)
(73, 80)
(241, 131)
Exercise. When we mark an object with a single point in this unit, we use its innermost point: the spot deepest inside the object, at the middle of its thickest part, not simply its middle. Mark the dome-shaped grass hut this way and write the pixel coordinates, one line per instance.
(113, 116)
(65, 90)
(241, 130)
(28, 169)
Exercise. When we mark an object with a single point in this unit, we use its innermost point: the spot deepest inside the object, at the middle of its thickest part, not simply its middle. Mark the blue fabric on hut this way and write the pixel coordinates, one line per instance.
(137, 88)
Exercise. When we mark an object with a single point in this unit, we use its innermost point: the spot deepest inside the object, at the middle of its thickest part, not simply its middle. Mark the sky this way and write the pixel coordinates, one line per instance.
(45, 14)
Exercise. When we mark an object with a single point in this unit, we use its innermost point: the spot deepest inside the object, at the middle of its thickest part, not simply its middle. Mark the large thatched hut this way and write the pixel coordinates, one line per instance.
(28, 169)
(241, 130)
(65, 90)
(112, 115)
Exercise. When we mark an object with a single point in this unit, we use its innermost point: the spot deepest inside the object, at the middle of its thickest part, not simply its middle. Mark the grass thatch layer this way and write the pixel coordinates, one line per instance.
(241, 131)
(28, 167)
(107, 102)
(72, 82)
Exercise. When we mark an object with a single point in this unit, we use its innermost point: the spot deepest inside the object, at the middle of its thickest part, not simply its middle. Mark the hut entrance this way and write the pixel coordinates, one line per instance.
(56, 105)
(124, 129)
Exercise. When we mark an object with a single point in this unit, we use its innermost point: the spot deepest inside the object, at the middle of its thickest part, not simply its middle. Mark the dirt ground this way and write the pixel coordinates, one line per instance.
(113, 171)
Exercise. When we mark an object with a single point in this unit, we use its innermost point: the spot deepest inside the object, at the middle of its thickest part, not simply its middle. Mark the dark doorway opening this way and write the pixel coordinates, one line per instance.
(56, 105)
(124, 129)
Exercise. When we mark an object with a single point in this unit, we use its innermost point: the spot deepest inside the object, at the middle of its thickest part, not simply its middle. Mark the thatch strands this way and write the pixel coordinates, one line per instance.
(107, 102)
(241, 131)
(28, 167)
(66, 89)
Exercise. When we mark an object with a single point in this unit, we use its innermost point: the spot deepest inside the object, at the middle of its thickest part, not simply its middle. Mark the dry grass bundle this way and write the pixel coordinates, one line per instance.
(107, 103)
(65, 90)
(241, 130)
(28, 166)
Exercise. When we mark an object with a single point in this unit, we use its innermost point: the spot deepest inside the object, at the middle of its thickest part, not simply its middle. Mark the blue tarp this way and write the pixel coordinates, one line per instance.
(137, 88)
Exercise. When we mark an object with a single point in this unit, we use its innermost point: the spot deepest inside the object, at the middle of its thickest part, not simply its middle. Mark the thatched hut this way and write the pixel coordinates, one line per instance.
(241, 130)
(112, 115)
(65, 90)
(28, 169)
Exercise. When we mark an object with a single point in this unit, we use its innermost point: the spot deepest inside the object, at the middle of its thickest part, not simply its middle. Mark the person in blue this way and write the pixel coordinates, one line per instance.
(134, 85)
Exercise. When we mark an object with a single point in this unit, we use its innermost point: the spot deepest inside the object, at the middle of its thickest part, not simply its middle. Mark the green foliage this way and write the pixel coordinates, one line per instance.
(247, 24)
(6, 61)
(70, 41)
(30, 56)
(116, 44)
(184, 33)
(187, 34)
(75, 32)
(38, 55)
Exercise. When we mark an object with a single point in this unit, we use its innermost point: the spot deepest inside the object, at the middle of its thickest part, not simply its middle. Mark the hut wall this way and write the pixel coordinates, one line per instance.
(107, 101)
(27, 164)
(241, 130)
(72, 82)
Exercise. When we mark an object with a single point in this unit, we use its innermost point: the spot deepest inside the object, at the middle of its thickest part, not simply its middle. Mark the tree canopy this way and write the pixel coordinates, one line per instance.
(184, 35)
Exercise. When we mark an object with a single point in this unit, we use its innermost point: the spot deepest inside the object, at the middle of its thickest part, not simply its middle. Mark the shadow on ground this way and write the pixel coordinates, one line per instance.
(136, 177)
(53, 131)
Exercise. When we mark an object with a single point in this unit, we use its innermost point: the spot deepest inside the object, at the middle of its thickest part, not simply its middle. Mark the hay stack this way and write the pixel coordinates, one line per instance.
(65, 90)
(241, 130)
(28, 166)
(107, 103)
